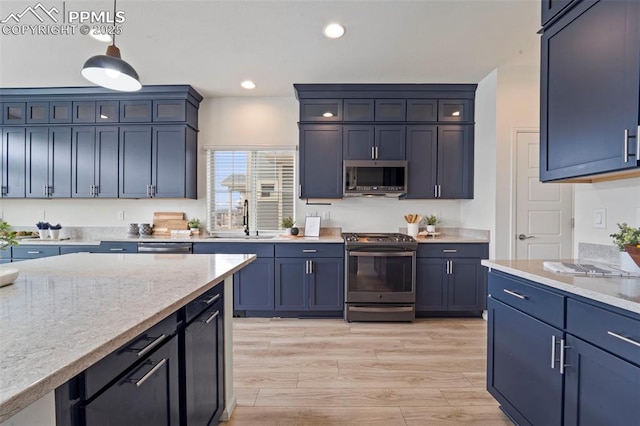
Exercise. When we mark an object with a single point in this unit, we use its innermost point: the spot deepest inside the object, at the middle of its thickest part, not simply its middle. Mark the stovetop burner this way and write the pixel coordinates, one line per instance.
(377, 238)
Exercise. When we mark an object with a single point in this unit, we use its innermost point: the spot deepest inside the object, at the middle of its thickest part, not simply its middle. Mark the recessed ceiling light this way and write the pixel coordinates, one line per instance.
(248, 84)
(333, 30)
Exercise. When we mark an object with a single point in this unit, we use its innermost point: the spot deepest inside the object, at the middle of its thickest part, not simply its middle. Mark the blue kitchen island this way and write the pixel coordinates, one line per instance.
(77, 331)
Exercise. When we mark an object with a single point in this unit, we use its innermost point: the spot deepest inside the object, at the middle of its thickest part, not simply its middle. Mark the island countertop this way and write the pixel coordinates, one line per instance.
(65, 313)
(621, 292)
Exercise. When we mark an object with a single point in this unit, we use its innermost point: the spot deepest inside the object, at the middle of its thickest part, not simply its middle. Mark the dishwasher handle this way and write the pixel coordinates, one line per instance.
(165, 248)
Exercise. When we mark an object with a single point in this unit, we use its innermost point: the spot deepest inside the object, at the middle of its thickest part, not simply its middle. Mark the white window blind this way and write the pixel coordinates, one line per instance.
(263, 177)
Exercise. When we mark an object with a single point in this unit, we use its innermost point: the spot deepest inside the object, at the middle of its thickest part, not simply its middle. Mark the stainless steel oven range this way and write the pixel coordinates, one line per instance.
(380, 277)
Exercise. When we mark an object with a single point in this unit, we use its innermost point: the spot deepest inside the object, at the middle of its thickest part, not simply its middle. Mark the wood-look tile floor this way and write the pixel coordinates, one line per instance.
(329, 372)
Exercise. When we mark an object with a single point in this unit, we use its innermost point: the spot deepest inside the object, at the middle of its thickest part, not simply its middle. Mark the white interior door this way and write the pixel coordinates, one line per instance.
(543, 228)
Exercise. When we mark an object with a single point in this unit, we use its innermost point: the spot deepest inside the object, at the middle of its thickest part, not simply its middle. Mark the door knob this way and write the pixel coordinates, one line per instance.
(524, 237)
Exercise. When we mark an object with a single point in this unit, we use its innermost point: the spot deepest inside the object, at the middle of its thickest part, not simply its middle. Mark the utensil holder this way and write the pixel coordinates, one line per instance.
(412, 229)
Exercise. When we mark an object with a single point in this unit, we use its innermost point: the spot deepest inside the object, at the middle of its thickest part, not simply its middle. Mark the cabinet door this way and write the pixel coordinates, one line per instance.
(455, 161)
(253, 286)
(14, 112)
(107, 111)
(149, 394)
(589, 90)
(430, 285)
(37, 112)
(13, 162)
(422, 158)
(600, 388)
(106, 162)
(422, 110)
(465, 289)
(135, 111)
(203, 369)
(326, 284)
(321, 110)
(170, 110)
(519, 366)
(291, 285)
(84, 112)
(358, 110)
(455, 110)
(390, 142)
(358, 142)
(60, 112)
(321, 161)
(390, 109)
(168, 163)
(60, 162)
(37, 171)
(83, 161)
(135, 162)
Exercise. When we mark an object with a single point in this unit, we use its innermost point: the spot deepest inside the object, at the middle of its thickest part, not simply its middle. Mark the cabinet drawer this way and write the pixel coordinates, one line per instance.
(108, 368)
(205, 301)
(34, 252)
(538, 303)
(116, 247)
(259, 249)
(78, 249)
(612, 332)
(480, 251)
(309, 250)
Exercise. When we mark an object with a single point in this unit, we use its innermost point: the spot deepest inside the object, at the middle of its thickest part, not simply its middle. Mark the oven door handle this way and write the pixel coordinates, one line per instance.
(382, 253)
(388, 309)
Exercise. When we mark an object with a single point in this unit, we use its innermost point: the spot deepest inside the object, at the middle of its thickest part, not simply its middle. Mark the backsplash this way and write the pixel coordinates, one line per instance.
(599, 253)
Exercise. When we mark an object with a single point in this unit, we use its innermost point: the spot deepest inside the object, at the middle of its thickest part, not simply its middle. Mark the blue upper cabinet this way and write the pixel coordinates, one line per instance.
(589, 120)
(320, 161)
(37, 112)
(321, 110)
(390, 110)
(135, 111)
(14, 112)
(358, 110)
(552, 8)
(422, 110)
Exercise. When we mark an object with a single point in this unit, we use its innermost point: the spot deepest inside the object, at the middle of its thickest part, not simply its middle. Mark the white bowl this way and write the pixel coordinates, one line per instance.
(8, 276)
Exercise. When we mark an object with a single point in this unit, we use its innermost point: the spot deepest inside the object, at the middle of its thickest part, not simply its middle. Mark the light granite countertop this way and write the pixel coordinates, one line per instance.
(65, 313)
(621, 292)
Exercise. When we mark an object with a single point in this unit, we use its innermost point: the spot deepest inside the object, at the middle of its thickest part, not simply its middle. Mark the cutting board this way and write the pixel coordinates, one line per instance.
(165, 222)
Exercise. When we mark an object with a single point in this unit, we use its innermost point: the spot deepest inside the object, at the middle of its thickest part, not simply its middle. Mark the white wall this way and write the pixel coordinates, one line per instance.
(480, 212)
(518, 104)
(620, 198)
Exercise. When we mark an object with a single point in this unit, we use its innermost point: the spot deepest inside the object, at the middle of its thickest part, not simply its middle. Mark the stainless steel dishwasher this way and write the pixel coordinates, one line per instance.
(183, 248)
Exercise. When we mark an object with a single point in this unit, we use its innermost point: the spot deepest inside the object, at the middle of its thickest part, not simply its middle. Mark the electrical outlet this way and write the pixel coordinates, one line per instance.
(120, 214)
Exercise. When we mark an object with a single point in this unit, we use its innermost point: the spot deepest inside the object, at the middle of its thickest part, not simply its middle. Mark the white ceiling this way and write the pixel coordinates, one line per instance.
(214, 45)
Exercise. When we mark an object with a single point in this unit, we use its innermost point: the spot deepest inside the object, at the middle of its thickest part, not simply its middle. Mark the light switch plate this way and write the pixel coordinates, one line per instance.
(600, 218)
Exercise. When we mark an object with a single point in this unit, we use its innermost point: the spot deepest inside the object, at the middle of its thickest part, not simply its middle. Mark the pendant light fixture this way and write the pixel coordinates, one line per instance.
(110, 70)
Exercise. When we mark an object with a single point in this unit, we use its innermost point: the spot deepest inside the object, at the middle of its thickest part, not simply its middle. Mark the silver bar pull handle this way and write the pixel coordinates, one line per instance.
(45, 190)
(213, 299)
(562, 348)
(116, 249)
(624, 339)
(33, 252)
(449, 251)
(376, 152)
(513, 293)
(212, 317)
(150, 346)
(311, 266)
(553, 352)
(96, 190)
(439, 191)
(310, 251)
(625, 149)
(151, 372)
(373, 153)
(435, 191)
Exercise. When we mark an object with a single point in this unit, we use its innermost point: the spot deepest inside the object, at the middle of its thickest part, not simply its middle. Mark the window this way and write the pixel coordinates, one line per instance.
(265, 178)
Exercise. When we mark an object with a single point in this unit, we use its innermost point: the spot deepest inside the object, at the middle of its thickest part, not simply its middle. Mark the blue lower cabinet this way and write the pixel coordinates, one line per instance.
(253, 286)
(78, 249)
(600, 388)
(24, 252)
(315, 284)
(519, 371)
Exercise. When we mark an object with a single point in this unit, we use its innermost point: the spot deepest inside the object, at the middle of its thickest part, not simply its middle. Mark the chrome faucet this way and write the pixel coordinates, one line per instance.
(245, 217)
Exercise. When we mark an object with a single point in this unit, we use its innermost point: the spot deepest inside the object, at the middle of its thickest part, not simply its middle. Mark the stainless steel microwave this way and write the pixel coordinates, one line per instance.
(373, 177)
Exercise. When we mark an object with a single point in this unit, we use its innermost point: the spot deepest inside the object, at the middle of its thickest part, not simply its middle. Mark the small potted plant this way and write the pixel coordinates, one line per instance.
(431, 221)
(7, 239)
(43, 229)
(628, 236)
(287, 224)
(54, 231)
(194, 225)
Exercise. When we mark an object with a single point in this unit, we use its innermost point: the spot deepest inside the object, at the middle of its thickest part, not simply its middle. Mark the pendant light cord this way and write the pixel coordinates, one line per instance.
(113, 36)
